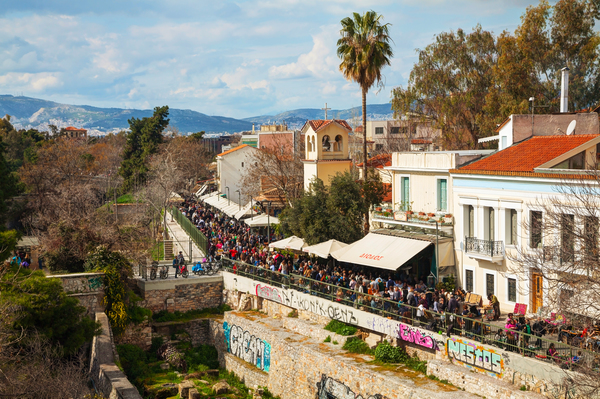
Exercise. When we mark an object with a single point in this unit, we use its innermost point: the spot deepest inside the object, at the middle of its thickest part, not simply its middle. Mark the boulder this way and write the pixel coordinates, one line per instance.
(166, 391)
(194, 394)
(221, 387)
(213, 373)
(196, 375)
(184, 389)
(165, 366)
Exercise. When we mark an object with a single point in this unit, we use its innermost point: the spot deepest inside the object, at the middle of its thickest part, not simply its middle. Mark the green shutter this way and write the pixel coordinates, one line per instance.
(405, 193)
(442, 194)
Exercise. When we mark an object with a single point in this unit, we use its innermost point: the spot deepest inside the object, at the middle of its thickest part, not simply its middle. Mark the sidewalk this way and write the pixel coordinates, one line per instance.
(181, 241)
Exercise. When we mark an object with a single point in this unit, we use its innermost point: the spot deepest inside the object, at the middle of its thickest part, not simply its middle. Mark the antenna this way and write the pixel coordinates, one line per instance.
(571, 127)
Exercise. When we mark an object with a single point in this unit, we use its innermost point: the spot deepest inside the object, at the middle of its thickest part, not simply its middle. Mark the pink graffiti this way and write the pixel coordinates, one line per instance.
(408, 334)
(267, 292)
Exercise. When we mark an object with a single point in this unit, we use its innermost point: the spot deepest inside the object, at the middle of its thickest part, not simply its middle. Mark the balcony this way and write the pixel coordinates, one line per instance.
(445, 221)
(491, 251)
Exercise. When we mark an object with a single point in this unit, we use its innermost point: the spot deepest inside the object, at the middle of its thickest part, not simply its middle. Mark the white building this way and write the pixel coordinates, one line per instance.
(230, 169)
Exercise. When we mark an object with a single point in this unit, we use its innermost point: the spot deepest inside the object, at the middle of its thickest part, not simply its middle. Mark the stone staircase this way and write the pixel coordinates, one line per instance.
(168, 250)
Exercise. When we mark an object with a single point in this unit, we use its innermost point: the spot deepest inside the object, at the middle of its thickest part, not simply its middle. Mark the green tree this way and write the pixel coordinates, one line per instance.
(469, 83)
(143, 141)
(45, 307)
(364, 48)
(337, 211)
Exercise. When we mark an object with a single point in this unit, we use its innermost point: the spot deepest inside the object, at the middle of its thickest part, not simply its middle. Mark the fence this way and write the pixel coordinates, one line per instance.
(476, 329)
(191, 230)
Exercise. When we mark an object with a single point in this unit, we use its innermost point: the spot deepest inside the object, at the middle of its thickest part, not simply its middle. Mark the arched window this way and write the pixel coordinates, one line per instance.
(339, 144)
(326, 143)
(308, 147)
(313, 145)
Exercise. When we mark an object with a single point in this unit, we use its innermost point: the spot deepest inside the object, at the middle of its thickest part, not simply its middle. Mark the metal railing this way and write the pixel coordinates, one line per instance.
(191, 230)
(484, 247)
(477, 329)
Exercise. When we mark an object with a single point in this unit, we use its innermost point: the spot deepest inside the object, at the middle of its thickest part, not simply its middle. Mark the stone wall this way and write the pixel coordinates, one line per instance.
(137, 334)
(87, 287)
(109, 380)
(181, 294)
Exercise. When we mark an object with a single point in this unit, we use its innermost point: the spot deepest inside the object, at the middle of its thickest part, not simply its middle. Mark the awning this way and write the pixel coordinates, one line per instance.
(261, 221)
(201, 190)
(246, 211)
(489, 138)
(324, 249)
(292, 242)
(381, 251)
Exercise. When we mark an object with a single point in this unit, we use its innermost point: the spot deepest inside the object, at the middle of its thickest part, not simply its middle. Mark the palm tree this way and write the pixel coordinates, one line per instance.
(364, 49)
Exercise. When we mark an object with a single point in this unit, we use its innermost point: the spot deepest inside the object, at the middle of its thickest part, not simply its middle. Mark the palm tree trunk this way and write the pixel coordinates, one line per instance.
(364, 126)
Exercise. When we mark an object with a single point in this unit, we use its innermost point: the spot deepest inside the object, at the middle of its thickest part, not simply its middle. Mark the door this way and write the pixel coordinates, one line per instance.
(537, 292)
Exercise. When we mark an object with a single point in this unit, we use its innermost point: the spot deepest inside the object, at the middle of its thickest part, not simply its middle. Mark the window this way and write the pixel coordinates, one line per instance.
(511, 227)
(242, 164)
(337, 146)
(379, 130)
(308, 147)
(575, 162)
(469, 221)
(591, 237)
(489, 284)
(378, 147)
(469, 280)
(326, 144)
(504, 139)
(442, 194)
(512, 290)
(489, 224)
(567, 239)
(399, 130)
(405, 193)
(535, 225)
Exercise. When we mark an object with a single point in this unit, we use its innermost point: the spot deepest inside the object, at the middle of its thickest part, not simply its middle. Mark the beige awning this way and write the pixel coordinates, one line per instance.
(292, 242)
(261, 221)
(324, 249)
(381, 251)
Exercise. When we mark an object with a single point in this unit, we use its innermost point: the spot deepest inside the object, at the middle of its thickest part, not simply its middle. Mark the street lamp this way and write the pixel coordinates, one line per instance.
(228, 200)
(239, 200)
(269, 220)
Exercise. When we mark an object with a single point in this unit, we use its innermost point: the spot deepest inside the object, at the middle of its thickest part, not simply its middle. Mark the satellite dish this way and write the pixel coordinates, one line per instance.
(571, 127)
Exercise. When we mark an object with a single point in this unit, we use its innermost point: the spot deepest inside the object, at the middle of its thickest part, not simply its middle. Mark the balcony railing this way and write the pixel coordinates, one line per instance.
(489, 248)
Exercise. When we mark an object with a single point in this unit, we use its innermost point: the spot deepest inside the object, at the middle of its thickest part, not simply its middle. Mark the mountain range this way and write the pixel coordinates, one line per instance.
(27, 112)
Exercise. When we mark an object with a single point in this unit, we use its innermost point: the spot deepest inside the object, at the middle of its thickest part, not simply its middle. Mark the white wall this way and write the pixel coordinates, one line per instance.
(230, 169)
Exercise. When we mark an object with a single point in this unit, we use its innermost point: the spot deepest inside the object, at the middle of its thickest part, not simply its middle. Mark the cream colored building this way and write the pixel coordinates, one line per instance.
(326, 150)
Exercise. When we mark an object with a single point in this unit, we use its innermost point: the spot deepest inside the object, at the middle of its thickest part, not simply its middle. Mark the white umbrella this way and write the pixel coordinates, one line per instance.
(324, 249)
(261, 221)
(292, 242)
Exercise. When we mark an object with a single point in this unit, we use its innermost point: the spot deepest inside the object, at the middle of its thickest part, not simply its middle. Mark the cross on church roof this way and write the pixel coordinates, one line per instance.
(325, 109)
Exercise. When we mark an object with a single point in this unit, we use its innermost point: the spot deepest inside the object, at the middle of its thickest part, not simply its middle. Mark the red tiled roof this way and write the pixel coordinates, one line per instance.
(232, 150)
(420, 141)
(319, 124)
(527, 155)
(378, 161)
(73, 128)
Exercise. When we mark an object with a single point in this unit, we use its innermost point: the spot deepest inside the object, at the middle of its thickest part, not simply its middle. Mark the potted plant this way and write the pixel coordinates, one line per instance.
(431, 215)
(378, 209)
(421, 213)
(448, 218)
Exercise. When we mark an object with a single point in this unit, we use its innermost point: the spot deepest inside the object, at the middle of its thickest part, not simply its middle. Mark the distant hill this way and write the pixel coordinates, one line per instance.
(296, 118)
(27, 112)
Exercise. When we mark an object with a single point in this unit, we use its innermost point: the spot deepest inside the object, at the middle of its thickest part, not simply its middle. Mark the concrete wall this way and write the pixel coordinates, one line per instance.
(230, 169)
(553, 124)
(109, 380)
(181, 294)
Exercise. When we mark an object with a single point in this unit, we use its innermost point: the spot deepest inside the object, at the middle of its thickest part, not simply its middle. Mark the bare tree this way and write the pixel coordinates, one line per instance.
(278, 169)
(563, 255)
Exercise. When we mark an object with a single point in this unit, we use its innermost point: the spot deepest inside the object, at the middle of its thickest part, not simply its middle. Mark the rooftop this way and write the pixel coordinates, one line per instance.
(319, 124)
(378, 161)
(233, 149)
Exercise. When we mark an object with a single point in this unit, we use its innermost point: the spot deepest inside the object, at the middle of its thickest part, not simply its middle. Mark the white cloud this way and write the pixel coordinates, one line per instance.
(30, 81)
(321, 61)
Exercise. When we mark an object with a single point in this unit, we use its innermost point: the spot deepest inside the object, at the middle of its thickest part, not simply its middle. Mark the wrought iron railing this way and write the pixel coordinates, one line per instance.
(477, 329)
(484, 247)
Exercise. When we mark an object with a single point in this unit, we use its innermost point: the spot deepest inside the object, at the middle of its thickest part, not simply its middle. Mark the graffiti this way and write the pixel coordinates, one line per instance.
(328, 388)
(404, 332)
(472, 355)
(317, 306)
(95, 283)
(506, 359)
(242, 344)
(270, 293)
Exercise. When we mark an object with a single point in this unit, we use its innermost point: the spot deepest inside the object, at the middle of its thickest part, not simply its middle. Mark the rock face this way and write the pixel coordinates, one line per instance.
(184, 389)
(175, 358)
(166, 391)
(221, 387)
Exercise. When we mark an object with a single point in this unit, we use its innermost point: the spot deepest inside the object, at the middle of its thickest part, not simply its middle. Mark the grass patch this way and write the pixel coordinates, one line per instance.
(340, 328)
(165, 316)
(335, 342)
(328, 339)
(293, 313)
(386, 353)
(357, 345)
(127, 199)
(158, 251)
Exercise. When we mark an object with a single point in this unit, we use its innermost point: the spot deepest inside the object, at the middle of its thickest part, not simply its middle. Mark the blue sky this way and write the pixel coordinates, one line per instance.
(231, 58)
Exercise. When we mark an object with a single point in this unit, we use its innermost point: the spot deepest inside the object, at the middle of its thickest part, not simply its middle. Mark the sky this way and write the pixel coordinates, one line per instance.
(220, 57)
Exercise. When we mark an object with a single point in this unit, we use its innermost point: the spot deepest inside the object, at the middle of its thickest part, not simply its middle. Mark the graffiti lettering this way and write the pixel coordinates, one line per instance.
(270, 293)
(252, 349)
(404, 332)
(472, 355)
(330, 388)
(415, 336)
(95, 283)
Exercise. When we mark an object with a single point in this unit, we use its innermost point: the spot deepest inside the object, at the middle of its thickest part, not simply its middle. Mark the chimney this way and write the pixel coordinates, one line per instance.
(253, 128)
(564, 90)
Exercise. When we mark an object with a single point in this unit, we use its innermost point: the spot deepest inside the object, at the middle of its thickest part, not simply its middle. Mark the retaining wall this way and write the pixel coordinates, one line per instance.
(109, 380)
(181, 294)
(87, 287)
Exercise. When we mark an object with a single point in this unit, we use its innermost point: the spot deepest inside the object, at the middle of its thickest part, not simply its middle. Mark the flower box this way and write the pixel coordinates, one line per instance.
(431, 215)
(448, 219)
(421, 213)
(401, 215)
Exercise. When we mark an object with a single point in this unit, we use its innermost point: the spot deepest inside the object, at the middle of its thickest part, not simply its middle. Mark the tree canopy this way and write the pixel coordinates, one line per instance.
(142, 142)
(468, 83)
(337, 211)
